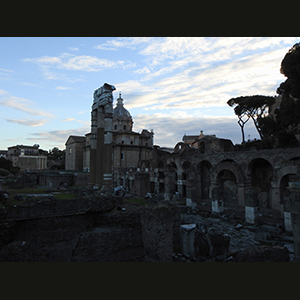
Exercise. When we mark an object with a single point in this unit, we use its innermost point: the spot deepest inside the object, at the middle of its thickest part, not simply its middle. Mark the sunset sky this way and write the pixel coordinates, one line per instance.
(173, 85)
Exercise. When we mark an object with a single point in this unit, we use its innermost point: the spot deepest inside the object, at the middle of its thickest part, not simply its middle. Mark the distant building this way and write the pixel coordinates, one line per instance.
(74, 152)
(3, 153)
(208, 143)
(27, 157)
(190, 139)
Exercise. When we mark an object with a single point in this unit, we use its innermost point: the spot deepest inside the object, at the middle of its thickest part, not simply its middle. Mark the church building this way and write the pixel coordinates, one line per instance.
(129, 148)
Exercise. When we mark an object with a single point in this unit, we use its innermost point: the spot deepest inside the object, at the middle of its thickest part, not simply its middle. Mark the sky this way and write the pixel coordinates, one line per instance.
(173, 85)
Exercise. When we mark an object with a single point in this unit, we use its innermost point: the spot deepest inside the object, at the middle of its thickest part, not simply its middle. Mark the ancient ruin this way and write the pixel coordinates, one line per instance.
(203, 200)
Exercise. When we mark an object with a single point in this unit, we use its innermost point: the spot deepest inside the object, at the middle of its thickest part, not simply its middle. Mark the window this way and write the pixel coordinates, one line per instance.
(70, 150)
(116, 127)
(122, 155)
(124, 127)
(131, 142)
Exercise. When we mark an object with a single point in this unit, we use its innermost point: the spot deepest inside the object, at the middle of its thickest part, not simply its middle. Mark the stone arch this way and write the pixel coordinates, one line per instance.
(172, 165)
(232, 166)
(286, 169)
(227, 185)
(261, 172)
(284, 177)
(203, 179)
(181, 147)
(283, 186)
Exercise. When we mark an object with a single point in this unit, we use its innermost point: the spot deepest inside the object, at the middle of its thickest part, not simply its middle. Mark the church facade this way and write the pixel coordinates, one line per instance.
(128, 148)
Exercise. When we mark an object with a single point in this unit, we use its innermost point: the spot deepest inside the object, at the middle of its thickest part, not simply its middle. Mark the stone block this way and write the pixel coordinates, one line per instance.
(251, 214)
(190, 203)
(218, 242)
(217, 206)
(187, 234)
(287, 221)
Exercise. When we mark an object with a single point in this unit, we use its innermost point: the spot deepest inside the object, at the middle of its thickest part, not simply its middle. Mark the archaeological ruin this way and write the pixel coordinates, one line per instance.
(203, 200)
(200, 169)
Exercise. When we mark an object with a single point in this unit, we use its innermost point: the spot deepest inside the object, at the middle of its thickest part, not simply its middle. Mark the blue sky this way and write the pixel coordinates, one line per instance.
(173, 85)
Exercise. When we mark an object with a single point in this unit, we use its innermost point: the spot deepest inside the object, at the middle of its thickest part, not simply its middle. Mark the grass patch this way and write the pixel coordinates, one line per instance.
(63, 196)
(138, 201)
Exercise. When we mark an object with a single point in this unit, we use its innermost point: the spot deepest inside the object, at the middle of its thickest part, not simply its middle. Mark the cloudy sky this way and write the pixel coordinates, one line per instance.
(173, 85)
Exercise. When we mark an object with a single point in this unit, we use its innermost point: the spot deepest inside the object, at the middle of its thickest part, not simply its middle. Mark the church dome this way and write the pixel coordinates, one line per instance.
(122, 119)
(120, 110)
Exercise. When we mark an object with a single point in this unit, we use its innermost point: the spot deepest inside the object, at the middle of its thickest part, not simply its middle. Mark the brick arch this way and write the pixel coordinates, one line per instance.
(231, 166)
(254, 160)
(284, 170)
(227, 184)
(181, 147)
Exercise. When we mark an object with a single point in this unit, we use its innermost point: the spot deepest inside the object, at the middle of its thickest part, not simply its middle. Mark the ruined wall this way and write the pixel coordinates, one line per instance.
(193, 174)
(86, 230)
(48, 229)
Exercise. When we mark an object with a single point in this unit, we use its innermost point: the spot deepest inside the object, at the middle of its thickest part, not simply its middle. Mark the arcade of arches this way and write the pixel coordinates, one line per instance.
(191, 174)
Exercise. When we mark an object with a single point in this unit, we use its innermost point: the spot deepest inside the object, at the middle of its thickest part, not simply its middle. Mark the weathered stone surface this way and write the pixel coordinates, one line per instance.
(201, 245)
(157, 224)
(263, 254)
(187, 232)
(109, 245)
(42, 206)
(92, 236)
(218, 242)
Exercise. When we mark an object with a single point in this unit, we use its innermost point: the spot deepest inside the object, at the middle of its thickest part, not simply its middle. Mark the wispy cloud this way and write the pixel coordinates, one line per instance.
(29, 122)
(69, 61)
(64, 88)
(5, 74)
(188, 73)
(124, 42)
(68, 119)
(24, 105)
(57, 138)
(169, 129)
(73, 48)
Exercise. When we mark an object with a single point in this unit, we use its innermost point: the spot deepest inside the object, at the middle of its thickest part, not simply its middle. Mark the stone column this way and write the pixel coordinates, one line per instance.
(295, 214)
(101, 149)
(179, 184)
(187, 234)
(191, 193)
(287, 212)
(251, 205)
(170, 185)
(93, 147)
(217, 204)
(108, 148)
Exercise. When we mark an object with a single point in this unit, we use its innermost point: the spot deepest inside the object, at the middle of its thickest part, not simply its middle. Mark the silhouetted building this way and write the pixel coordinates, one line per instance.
(27, 157)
